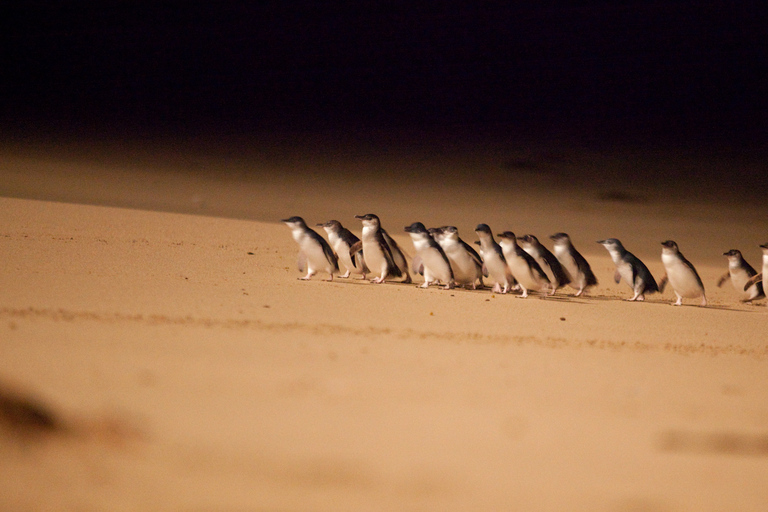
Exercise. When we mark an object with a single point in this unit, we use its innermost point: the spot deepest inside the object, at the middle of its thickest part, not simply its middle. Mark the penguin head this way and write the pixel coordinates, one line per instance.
(417, 228)
(369, 219)
(331, 226)
(733, 254)
(670, 245)
(528, 239)
(294, 222)
(610, 242)
(764, 247)
(449, 232)
(507, 238)
(560, 238)
(483, 228)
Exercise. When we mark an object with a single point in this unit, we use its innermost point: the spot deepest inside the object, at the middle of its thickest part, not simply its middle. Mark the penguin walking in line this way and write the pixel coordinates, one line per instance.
(740, 273)
(465, 262)
(341, 240)
(574, 264)
(494, 263)
(376, 251)
(546, 260)
(431, 256)
(681, 274)
(631, 269)
(762, 276)
(314, 252)
(522, 266)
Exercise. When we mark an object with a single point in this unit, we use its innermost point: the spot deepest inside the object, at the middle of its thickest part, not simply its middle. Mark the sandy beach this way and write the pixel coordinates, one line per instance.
(158, 352)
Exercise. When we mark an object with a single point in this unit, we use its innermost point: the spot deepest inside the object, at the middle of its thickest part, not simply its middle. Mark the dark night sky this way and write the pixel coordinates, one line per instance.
(658, 69)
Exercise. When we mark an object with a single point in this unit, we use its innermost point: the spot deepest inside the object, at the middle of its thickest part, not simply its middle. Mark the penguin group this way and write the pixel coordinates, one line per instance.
(514, 263)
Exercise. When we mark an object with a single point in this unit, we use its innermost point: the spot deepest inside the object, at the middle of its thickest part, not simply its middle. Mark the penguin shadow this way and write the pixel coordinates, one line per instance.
(25, 419)
(753, 308)
(713, 443)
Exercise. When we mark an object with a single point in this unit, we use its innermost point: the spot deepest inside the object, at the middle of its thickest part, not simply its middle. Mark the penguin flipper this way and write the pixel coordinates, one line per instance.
(753, 280)
(302, 261)
(360, 261)
(663, 283)
(617, 276)
(417, 266)
(485, 270)
(723, 279)
(354, 248)
(330, 255)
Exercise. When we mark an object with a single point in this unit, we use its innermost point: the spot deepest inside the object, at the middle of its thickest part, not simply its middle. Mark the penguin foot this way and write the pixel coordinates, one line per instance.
(344, 276)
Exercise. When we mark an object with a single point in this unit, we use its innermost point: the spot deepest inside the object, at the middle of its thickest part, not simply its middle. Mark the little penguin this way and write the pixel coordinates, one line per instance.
(681, 274)
(465, 262)
(431, 256)
(522, 266)
(629, 267)
(376, 251)
(341, 240)
(314, 252)
(494, 262)
(740, 273)
(398, 256)
(762, 275)
(573, 263)
(546, 260)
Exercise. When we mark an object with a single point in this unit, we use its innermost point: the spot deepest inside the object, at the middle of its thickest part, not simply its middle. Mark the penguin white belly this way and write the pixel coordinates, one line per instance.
(342, 251)
(682, 279)
(438, 268)
(739, 279)
(625, 271)
(522, 272)
(578, 280)
(497, 269)
(765, 273)
(316, 258)
(464, 270)
(374, 258)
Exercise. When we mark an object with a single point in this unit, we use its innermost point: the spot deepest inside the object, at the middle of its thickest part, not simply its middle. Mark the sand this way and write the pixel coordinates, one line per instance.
(157, 351)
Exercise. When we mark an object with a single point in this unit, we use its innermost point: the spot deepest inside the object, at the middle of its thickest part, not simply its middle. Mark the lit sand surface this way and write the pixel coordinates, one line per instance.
(189, 369)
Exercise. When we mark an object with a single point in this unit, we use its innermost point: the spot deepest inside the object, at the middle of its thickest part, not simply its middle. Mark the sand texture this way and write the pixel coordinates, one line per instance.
(157, 351)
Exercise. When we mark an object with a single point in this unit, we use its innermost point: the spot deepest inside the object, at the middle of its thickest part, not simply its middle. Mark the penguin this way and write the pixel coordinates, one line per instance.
(494, 262)
(573, 263)
(465, 262)
(376, 251)
(546, 260)
(629, 267)
(762, 275)
(522, 266)
(341, 240)
(314, 252)
(740, 272)
(432, 256)
(398, 256)
(681, 274)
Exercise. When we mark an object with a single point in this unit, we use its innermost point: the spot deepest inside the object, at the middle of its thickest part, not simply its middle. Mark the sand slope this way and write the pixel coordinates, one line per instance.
(189, 369)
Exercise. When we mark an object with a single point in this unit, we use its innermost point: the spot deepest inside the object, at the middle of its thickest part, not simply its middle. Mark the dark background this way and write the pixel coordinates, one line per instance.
(651, 72)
